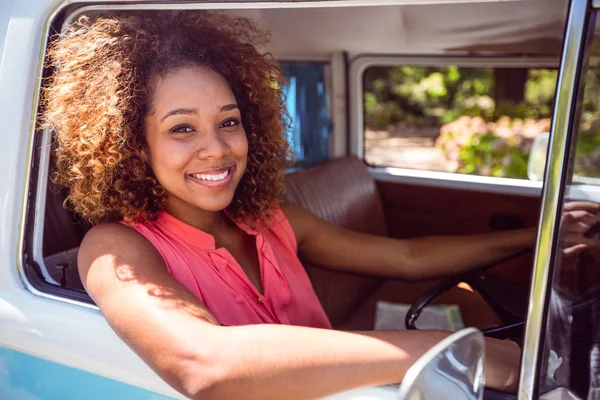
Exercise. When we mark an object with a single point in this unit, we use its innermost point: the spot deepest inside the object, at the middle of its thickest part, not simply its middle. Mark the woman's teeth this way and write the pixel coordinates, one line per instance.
(208, 177)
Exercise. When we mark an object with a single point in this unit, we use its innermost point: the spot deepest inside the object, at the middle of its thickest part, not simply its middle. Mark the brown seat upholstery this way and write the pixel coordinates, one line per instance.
(342, 192)
(61, 231)
(62, 235)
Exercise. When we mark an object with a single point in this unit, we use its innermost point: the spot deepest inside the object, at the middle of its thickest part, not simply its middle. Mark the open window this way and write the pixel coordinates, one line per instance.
(53, 233)
(461, 118)
(454, 119)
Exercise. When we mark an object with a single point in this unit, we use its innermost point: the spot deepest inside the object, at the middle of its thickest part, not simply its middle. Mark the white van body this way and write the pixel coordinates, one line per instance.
(51, 347)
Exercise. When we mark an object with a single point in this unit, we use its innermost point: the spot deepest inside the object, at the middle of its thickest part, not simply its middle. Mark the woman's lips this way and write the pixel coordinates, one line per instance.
(217, 178)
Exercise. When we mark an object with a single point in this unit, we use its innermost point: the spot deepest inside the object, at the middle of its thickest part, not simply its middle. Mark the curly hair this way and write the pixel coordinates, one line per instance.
(101, 90)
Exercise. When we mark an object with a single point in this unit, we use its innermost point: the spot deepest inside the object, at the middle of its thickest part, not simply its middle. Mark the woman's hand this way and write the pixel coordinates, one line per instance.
(580, 241)
(502, 364)
(578, 219)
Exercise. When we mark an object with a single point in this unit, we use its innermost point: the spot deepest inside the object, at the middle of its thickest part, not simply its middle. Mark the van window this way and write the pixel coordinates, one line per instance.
(571, 355)
(453, 118)
(54, 233)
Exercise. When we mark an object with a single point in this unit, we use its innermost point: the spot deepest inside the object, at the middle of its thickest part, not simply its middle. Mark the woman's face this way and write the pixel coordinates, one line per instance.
(197, 145)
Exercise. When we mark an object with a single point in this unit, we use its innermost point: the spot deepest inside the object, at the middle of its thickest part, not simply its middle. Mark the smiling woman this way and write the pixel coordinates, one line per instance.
(192, 151)
(170, 139)
(105, 169)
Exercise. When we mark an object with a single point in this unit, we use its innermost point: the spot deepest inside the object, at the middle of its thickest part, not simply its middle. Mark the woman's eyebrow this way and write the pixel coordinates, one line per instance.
(229, 107)
(179, 111)
(194, 111)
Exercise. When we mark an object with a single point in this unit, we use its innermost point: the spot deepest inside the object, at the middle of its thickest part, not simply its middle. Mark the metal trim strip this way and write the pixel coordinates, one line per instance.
(552, 194)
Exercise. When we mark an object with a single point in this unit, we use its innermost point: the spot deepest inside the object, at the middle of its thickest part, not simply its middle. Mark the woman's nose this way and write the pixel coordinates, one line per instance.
(213, 145)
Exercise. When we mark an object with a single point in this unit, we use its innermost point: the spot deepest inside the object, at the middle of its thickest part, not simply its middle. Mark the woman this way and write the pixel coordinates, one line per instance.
(170, 140)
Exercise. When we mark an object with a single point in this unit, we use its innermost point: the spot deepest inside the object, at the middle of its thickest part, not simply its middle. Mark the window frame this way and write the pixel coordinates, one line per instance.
(30, 263)
(557, 170)
(361, 62)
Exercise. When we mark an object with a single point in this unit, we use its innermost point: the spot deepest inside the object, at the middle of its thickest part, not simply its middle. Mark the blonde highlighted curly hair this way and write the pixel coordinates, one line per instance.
(101, 90)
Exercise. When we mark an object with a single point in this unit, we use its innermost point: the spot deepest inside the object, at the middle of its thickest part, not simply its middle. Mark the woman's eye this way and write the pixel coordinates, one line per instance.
(182, 129)
(230, 123)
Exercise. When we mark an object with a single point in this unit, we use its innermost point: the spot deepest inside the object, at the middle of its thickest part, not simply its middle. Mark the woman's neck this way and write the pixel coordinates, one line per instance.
(210, 222)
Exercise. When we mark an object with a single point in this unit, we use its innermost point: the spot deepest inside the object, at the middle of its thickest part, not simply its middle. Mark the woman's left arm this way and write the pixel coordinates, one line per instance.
(323, 244)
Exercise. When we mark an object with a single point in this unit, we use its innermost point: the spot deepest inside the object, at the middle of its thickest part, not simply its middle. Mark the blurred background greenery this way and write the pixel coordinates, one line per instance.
(482, 120)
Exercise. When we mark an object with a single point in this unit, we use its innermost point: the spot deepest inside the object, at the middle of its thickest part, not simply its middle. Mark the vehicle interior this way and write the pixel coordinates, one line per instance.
(362, 169)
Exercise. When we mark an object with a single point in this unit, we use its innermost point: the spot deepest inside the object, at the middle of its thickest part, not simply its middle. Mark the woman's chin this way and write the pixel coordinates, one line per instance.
(215, 206)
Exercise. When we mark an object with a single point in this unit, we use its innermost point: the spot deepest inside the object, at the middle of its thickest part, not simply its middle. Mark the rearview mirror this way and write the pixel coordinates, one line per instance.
(537, 157)
(452, 369)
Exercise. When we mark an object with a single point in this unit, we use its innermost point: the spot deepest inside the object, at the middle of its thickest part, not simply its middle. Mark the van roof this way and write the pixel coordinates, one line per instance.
(533, 27)
(318, 28)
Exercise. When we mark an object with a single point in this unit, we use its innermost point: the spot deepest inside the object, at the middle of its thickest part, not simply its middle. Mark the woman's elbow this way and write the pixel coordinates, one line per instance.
(195, 383)
(193, 374)
(208, 386)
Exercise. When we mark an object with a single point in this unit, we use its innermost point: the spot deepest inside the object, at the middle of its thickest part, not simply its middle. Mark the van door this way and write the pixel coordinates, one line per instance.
(561, 352)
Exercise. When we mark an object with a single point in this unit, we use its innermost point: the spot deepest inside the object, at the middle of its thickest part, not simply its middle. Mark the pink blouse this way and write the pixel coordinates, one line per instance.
(217, 279)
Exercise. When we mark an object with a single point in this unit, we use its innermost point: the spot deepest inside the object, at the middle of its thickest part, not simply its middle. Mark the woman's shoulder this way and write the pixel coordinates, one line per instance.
(298, 219)
(280, 225)
(108, 231)
(114, 240)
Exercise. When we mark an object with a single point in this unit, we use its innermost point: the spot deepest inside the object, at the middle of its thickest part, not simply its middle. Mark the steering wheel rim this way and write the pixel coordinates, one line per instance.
(512, 312)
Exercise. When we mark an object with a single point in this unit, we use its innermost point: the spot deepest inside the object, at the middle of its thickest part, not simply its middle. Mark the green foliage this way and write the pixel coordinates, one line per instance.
(437, 96)
(488, 154)
(540, 87)
(379, 115)
(417, 94)
(587, 153)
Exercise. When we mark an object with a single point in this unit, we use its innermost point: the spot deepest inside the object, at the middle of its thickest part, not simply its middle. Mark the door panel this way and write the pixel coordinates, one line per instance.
(413, 211)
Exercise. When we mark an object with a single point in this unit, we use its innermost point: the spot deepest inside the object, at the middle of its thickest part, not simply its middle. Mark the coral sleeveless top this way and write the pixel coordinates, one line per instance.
(217, 279)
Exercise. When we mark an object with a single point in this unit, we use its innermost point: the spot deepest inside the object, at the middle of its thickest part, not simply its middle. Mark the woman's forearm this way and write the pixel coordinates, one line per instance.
(323, 244)
(437, 256)
(275, 361)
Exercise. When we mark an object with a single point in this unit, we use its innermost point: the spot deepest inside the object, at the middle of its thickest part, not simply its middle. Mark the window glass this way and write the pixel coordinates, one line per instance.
(307, 103)
(571, 353)
(468, 120)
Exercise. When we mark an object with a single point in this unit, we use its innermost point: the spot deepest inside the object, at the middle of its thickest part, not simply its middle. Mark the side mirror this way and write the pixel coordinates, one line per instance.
(537, 157)
(452, 369)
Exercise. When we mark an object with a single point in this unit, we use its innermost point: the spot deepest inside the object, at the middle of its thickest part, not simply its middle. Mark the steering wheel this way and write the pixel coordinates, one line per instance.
(509, 302)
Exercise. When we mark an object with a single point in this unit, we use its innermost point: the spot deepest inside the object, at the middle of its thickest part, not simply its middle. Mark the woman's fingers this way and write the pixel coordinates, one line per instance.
(580, 215)
(582, 206)
(574, 250)
(577, 228)
(578, 222)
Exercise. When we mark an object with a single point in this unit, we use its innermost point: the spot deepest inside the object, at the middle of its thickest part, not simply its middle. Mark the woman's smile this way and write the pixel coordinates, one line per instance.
(213, 178)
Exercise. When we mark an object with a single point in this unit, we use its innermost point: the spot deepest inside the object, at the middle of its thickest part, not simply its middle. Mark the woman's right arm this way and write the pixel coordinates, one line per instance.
(174, 333)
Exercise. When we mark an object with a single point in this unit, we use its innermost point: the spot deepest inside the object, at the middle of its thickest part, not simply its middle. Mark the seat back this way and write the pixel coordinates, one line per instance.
(62, 235)
(61, 230)
(342, 192)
